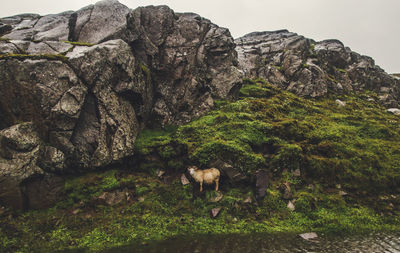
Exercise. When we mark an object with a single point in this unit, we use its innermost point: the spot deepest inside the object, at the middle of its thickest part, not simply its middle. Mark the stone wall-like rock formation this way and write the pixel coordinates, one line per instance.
(313, 69)
(89, 80)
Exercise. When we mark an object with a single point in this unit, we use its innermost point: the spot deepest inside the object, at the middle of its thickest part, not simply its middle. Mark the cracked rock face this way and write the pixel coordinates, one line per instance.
(313, 69)
(143, 67)
(23, 182)
(191, 59)
(88, 108)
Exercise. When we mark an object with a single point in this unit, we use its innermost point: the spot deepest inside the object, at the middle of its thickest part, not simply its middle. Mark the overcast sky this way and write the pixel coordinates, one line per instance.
(369, 27)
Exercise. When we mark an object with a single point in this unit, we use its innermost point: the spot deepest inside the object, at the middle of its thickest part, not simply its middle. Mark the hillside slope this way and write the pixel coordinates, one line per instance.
(319, 166)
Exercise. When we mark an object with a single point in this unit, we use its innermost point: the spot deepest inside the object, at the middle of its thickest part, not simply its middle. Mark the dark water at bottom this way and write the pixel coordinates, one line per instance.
(378, 242)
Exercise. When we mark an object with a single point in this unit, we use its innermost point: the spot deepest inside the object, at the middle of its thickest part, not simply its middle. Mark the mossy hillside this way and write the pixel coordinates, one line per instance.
(337, 149)
(158, 211)
(356, 146)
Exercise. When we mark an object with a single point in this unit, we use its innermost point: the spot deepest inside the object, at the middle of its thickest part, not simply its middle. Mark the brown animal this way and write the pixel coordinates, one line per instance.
(208, 176)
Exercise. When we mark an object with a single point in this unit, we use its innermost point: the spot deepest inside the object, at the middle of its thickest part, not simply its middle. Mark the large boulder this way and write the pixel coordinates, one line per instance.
(118, 97)
(19, 154)
(99, 22)
(87, 107)
(192, 61)
(313, 69)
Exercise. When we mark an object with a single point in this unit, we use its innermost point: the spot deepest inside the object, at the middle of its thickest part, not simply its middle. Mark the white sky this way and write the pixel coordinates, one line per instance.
(370, 27)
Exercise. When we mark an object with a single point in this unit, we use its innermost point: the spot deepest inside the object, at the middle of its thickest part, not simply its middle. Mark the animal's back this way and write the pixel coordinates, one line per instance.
(210, 175)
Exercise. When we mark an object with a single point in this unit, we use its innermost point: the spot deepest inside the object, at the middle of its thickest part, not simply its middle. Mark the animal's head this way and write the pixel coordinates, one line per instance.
(192, 169)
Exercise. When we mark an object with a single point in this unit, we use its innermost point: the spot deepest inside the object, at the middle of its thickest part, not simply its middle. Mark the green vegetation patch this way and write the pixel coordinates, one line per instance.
(4, 39)
(54, 57)
(77, 43)
(157, 211)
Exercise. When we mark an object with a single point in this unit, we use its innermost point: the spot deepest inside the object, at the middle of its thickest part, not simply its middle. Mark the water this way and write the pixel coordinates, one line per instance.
(388, 243)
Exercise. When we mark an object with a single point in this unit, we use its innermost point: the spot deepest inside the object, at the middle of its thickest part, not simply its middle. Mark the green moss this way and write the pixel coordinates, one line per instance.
(145, 70)
(4, 39)
(54, 57)
(77, 43)
(341, 70)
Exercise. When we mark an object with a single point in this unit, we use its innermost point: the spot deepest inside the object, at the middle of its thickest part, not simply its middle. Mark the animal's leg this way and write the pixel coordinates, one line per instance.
(216, 184)
(201, 186)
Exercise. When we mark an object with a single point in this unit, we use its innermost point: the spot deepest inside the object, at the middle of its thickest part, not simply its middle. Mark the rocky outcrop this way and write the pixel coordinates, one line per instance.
(144, 66)
(191, 60)
(313, 69)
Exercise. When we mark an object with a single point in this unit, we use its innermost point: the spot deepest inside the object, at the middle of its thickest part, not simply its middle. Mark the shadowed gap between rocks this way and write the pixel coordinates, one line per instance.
(87, 130)
(136, 100)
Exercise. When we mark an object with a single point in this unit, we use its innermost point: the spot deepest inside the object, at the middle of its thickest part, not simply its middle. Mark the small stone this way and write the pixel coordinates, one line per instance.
(343, 193)
(309, 236)
(262, 183)
(290, 206)
(215, 212)
(395, 111)
(217, 198)
(296, 173)
(184, 179)
(286, 191)
(160, 173)
(340, 102)
(248, 200)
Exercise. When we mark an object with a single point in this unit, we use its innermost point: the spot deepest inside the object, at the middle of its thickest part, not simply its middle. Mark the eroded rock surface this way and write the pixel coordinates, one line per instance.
(313, 69)
(20, 147)
(91, 79)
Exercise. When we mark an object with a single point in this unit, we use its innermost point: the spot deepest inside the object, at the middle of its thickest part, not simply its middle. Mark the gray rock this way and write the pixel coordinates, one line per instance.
(309, 236)
(262, 182)
(286, 191)
(312, 69)
(192, 61)
(291, 206)
(184, 180)
(215, 211)
(97, 23)
(52, 27)
(4, 28)
(340, 103)
(232, 173)
(108, 125)
(113, 198)
(52, 160)
(8, 48)
(19, 149)
(394, 111)
(88, 111)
